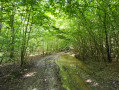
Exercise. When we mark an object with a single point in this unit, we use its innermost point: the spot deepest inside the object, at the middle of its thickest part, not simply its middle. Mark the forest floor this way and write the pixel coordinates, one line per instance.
(106, 76)
(53, 72)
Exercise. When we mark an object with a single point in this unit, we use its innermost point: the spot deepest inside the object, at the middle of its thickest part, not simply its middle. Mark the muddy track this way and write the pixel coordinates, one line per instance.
(46, 75)
(54, 72)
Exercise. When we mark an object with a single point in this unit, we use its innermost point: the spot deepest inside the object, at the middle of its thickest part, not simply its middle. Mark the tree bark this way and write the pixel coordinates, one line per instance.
(12, 34)
(106, 40)
(24, 44)
(1, 17)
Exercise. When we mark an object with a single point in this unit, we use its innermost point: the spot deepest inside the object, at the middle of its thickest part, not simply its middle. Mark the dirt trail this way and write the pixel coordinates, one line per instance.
(54, 72)
(45, 75)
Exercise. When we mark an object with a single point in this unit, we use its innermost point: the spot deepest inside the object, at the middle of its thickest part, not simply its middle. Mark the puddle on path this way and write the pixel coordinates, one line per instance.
(70, 69)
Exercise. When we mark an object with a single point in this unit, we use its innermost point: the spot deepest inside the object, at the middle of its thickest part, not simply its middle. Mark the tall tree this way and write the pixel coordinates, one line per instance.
(12, 31)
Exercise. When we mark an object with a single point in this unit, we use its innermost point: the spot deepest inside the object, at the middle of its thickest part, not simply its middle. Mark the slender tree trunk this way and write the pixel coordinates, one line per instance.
(1, 17)
(43, 46)
(12, 34)
(106, 40)
(29, 35)
(24, 44)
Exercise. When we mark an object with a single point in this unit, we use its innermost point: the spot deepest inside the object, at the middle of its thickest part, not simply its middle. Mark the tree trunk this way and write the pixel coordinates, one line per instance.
(106, 40)
(43, 46)
(1, 17)
(12, 34)
(25, 42)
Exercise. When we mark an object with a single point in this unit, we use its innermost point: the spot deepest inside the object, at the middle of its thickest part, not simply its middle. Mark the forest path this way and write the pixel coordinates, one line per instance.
(44, 76)
(55, 72)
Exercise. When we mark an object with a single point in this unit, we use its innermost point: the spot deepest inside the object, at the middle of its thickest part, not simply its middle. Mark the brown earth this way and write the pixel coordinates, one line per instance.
(42, 73)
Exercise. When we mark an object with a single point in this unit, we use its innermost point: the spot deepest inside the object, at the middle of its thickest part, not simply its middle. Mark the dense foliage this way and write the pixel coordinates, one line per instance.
(89, 27)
